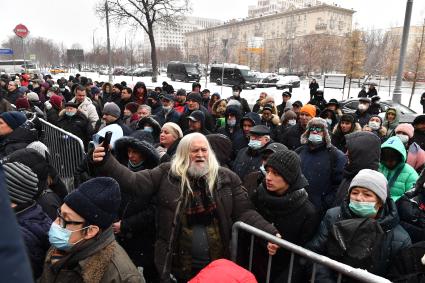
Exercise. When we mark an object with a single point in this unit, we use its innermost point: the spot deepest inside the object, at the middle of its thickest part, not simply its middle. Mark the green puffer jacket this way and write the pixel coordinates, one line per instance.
(407, 177)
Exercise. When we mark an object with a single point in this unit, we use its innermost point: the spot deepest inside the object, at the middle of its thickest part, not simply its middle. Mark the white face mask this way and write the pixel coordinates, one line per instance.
(404, 138)
(236, 93)
(374, 125)
(363, 107)
(292, 122)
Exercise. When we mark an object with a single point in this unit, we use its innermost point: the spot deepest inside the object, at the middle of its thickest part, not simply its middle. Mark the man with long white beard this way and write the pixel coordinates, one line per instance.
(197, 203)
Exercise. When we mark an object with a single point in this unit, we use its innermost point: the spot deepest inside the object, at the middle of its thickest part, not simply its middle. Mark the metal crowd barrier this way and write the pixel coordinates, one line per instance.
(340, 268)
(66, 151)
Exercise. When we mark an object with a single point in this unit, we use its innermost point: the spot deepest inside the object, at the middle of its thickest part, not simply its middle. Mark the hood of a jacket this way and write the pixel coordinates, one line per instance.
(396, 144)
(138, 142)
(255, 118)
(364, 150)
(222, 147)
(151, 121)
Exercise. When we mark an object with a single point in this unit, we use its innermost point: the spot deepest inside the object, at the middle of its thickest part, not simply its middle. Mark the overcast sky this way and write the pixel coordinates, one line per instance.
(74, 21)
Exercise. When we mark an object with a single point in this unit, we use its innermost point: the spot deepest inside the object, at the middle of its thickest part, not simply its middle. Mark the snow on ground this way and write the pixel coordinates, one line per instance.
(251, 95)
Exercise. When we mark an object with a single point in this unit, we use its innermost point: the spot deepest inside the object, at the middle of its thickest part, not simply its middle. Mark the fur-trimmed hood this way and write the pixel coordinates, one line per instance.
(355, 127)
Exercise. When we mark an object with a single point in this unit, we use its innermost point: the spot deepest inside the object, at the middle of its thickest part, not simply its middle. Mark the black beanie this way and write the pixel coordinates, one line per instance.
(21, 182)
(195, 97)
(97, 201)
(287, 164)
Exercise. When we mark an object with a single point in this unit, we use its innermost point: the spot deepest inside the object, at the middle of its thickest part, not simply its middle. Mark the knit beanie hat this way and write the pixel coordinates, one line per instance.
(21, 182)
(13, 119)
(32, 96)
(112, 109)
(22, 103)
(56, 100)
(175, 129)
(97, 201)
(405, 128)
(309, 109)
(118, 86)
(287, 164)
(40, 148)
(372, 180)
(132, 107)
(195, 97)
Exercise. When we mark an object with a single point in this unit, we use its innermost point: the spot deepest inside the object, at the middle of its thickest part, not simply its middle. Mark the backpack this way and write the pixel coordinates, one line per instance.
(356, 242)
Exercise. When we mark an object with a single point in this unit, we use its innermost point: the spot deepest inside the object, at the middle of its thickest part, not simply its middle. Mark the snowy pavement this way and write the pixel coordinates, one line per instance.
(251, 95)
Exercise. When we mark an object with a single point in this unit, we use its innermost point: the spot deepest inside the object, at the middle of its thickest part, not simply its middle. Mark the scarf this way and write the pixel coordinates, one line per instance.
(201, 206)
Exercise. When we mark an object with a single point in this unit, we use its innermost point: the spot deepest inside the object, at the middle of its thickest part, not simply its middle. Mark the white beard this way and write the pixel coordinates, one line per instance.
(197, 170)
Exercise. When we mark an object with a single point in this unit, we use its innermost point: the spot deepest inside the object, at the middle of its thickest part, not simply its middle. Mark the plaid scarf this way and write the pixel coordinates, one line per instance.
(201, 206)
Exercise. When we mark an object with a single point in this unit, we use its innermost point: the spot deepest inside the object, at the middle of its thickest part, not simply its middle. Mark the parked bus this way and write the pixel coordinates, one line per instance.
(18, 66)
(233, 75)
(183, 71)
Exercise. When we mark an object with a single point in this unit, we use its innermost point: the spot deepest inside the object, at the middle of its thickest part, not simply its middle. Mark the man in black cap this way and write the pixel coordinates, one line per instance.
(318, 100)
(197, 123)
(296, 107)
(115, 96)
(362, 113)
(83, 242)
(205, 97)
(194, 102)
(74, 121)
(168, 113)
(375, 106)
(196, 87)
(167, 88)
(269, 119)
(154, 102)
(249, 158)
(286, 103)
(237, 96)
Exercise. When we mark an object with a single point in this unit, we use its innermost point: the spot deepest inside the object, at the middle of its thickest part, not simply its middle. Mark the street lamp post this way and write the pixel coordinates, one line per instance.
(405, 36)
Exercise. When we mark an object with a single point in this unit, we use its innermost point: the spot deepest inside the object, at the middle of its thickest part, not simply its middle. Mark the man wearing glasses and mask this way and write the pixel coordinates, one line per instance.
(83, 243)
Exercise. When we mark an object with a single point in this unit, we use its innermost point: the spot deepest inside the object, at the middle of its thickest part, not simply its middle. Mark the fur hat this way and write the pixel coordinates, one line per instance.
(317, 122)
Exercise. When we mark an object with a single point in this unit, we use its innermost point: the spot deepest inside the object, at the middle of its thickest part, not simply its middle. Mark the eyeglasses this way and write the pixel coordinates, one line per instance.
(63, 222)
(315, 129)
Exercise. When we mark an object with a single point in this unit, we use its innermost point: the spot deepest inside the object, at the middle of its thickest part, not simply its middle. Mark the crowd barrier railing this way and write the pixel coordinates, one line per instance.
(66, 151)
(338, 267)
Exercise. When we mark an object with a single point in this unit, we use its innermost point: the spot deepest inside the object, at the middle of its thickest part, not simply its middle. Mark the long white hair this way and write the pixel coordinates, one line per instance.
(180, 162)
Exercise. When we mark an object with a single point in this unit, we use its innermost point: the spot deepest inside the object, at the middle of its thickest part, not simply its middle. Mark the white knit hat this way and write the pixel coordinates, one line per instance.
(372, 180)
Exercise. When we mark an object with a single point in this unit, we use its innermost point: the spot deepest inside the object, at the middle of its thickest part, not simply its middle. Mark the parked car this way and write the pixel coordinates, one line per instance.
(288, 81)
(407, 115)
(183, 71)
(233, 75)
(56, 70)
(269, 81)
(143, 72)
(118, 71)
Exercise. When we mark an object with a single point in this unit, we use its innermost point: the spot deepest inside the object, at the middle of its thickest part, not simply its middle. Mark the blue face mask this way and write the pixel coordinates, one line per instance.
(315, 138)
(255, 144)
(363, 209)
(70, 114)
(148, 129)
(59, 237)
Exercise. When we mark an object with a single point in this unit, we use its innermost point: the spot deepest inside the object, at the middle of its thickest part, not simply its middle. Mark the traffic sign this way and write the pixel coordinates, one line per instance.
(21, 31)
(6, 51)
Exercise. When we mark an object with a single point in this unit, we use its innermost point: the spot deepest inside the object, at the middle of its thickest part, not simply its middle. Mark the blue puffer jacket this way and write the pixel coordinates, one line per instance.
(407, 177)
(395, 238)
(35, 225)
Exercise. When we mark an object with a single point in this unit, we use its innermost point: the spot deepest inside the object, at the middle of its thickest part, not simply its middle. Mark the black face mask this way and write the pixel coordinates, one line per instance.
(150, 102)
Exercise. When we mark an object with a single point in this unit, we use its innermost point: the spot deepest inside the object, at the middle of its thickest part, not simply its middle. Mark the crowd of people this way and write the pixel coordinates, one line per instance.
(158, 204)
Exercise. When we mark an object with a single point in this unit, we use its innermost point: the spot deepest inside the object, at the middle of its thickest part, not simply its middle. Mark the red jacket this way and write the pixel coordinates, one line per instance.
(223, 270)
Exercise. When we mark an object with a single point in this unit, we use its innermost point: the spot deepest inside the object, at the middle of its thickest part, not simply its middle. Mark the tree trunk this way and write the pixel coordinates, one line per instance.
(154, 58)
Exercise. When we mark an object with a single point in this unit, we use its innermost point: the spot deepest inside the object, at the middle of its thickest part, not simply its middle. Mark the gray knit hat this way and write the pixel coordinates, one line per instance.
(288, 165)
(40, 148)
(21, 182)
(373, 181)
(112, 109)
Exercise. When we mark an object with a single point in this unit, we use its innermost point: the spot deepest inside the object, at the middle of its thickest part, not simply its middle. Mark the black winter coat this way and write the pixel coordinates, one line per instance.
(419, 138)
(78, 125)
(411, 209)
(362, 117)
(53, 115)
(243, 102)
(247, 161)
(394, 240)
(35, 226)
(19, 138)
(364, 153)
(291, 137)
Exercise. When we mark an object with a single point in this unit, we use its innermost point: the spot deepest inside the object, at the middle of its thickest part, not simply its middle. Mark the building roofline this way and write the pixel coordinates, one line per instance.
(276, 15)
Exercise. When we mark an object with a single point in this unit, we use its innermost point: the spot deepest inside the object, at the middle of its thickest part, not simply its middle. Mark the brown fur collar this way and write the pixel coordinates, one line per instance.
(93, 268)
